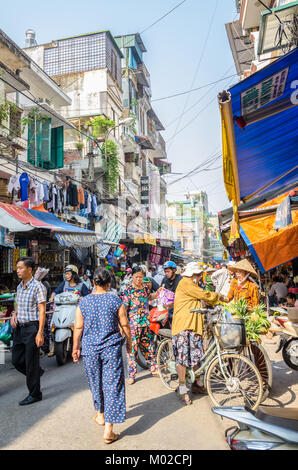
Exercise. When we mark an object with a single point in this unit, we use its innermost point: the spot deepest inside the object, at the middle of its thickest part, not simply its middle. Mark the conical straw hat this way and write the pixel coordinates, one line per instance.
(243, 265)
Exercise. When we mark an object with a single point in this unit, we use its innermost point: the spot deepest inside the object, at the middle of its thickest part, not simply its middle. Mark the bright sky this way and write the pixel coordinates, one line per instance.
(187, 49)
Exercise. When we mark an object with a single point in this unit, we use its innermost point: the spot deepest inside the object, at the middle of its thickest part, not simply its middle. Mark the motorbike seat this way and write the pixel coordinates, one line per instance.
(283, 417)
(165, 332)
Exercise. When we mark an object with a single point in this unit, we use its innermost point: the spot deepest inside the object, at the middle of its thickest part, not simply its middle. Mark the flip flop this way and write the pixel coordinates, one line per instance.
(131, 381)
(111, 440)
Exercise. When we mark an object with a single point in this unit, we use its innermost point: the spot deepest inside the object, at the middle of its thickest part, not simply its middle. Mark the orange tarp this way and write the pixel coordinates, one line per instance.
(272, 247)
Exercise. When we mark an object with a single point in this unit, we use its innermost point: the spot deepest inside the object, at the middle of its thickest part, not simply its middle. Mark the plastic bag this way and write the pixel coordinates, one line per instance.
(160, 316)
(166, 297)
(5, 333)
(231, 332)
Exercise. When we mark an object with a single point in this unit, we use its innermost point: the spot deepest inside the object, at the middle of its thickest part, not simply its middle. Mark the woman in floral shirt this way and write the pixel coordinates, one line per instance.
(136, 300)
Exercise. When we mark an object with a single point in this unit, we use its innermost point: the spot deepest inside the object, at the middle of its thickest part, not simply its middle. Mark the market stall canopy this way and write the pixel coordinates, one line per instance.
(18, 219)
(260, 131)
(11, 223)
(269, 247)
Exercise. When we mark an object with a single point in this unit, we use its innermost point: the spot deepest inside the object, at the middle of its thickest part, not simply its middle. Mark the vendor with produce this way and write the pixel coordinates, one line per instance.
(243, 287)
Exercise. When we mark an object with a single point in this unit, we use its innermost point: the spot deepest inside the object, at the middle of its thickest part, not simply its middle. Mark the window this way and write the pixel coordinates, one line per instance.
(114, 69)
(45, 145)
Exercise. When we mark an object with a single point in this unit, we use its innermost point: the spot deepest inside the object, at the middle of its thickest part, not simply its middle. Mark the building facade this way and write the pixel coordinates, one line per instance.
(259, 36)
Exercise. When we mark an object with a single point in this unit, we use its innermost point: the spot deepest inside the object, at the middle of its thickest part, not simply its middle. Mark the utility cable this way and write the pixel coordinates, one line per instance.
(194, 89)
(196, 72)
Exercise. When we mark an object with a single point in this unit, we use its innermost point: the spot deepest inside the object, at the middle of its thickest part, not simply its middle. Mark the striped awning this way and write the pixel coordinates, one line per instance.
(113, 232)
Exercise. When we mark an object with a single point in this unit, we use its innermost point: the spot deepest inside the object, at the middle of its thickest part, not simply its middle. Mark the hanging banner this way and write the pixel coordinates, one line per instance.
(6, 238)
(283, 214)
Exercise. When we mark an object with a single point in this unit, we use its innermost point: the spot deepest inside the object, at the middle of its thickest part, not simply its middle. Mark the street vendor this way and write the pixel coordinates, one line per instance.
(187, 327)
(243, 286)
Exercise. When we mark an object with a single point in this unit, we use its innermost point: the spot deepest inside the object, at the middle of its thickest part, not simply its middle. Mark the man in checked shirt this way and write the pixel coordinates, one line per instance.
(28, 321)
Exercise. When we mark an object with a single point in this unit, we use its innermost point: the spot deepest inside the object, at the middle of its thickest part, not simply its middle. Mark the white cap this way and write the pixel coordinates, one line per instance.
(192, 268)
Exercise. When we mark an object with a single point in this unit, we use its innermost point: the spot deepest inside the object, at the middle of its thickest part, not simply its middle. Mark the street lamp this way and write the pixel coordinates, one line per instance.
(124, 122)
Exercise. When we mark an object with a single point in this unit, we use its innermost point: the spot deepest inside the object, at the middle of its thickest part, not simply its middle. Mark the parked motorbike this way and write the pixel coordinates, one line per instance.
(267, 428)
(287, 327)
(62, 325)
(158, 317)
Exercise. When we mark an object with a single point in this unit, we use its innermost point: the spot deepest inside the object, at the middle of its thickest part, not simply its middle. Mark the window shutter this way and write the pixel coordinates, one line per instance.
(57, 147)
(31, 143)
(39, 143)
(45, 140)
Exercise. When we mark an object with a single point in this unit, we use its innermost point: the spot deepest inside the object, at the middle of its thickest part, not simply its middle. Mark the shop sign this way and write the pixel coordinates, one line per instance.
(145, 190)
(283, 214)
(6, 238)
(264, 92)
(149, 239)
(138, 238)
(77, 240)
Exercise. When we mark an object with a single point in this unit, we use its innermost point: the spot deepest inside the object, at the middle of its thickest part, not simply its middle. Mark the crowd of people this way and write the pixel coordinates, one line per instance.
(109, 315)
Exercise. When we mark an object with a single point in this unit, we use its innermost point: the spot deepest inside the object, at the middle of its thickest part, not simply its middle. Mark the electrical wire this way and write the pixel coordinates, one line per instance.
(194, 89)
(196, 72)
(164, 16)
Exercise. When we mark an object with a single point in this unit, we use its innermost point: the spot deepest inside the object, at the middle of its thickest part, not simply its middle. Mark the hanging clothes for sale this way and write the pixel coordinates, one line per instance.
(45, 191)
(81, 198)
(14, 184)
(72, 195)
(36, 193)
(24, 183)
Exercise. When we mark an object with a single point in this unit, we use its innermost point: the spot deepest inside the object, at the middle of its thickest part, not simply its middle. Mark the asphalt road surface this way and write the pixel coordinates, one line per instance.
(63, 419)
(156, 420)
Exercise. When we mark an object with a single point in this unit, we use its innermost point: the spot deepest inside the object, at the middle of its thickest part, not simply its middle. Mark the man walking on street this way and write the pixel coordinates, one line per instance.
(28, 321)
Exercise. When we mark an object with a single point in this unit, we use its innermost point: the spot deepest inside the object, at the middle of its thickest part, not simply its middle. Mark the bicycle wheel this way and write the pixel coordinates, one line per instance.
(166, 365)
(236, 383)
(258, 355)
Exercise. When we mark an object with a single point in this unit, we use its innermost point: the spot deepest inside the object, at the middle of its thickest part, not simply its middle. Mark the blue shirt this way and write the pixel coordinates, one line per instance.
(101, 323)
(24, 181)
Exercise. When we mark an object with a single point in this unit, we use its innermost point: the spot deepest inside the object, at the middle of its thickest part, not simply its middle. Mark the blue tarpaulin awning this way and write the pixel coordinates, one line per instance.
(265, 105)
(67, 234)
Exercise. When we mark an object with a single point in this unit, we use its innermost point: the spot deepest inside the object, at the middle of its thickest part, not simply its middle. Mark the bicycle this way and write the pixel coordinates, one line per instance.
(230, 378)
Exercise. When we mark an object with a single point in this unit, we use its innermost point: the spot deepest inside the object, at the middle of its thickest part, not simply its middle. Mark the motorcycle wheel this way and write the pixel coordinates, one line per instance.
(141, 361)
(61, 352)
(287, 357)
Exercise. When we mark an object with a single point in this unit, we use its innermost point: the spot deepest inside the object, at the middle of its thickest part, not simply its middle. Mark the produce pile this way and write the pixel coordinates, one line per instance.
(256, 322)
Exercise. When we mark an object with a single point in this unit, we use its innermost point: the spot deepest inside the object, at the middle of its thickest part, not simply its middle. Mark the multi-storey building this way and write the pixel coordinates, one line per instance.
(31, 126)
(145, 152)
(261, 34)
(88, 69)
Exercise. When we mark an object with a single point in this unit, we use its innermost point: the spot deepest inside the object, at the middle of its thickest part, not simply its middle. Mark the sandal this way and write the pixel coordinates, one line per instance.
(112, 439)
(184, 397)
(51, 354)
(155, 374)
(95, 417)
(131, 381)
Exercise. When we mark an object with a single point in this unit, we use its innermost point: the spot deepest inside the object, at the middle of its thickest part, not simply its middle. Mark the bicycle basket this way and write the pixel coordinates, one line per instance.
(231, 332)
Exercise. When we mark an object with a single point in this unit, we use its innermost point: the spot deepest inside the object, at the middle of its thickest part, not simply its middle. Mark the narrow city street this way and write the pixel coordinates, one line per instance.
(155, 418)
(63, 419)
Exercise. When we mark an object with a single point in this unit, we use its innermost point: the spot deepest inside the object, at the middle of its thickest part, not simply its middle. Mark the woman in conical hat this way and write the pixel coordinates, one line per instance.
(242, 287)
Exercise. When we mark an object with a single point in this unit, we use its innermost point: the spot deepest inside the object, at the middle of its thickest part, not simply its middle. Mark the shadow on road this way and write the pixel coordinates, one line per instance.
(58, 384)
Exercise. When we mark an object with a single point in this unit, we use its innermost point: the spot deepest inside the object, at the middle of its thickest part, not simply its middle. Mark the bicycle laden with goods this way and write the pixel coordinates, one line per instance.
(230, 377)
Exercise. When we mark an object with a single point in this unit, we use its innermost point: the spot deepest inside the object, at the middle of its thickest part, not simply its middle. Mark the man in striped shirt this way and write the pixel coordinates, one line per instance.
(28, 322)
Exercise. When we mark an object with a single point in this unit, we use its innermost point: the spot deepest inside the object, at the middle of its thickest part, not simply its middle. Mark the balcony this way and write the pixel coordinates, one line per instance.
(131, 191)
(128, 141)
(250, 13)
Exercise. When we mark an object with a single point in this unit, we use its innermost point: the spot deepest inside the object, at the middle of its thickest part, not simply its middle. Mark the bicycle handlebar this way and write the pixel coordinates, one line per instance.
(215, 310)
